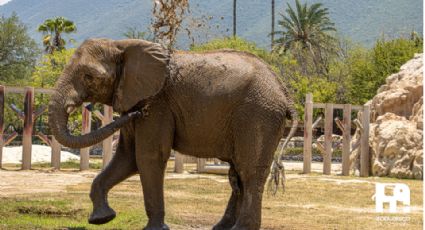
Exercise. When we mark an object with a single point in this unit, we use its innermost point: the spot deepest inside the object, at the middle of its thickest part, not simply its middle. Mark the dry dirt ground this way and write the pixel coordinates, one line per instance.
(45, 199)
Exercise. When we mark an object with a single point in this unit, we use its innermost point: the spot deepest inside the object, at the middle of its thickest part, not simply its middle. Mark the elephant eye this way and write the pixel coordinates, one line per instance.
(88, 77)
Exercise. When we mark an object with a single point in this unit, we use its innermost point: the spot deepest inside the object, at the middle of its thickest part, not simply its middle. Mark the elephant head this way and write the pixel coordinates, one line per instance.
(117, 73)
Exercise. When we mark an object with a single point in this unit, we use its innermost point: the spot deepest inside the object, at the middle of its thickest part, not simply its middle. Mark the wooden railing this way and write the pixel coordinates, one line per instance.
(345, 126)
(30, 114)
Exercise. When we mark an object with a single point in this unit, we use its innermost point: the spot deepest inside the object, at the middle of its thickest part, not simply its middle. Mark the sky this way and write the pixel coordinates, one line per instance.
(2, 2)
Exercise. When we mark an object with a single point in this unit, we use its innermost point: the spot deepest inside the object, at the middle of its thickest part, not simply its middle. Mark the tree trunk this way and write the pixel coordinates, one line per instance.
(234, 18)
(272, 33)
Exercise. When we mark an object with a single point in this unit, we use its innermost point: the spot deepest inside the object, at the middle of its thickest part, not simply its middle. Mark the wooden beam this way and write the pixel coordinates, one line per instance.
(308, 133)
(56, 153)
(10, 138)
(337, 106)
(354, 146)
(364, 154)
(44, 138)
(316, 122)
(107, 143)
(327, 157)
(86, 127)
(321, 149)
(201, 165)
(22, 90)
(178, 162)
(339, 124)
(28, 128)
(346, 141)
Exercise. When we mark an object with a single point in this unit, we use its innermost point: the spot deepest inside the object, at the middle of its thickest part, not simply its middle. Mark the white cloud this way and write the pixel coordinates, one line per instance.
(2, 2)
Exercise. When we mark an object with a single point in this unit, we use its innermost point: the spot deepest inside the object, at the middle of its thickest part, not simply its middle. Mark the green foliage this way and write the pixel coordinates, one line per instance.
(235, 43)
(322, 90)
(388, 56)
(51, 66)
(134, 33)
(52, 30)
(368, 69)
(305, 25)
(45, 76)
(18, 52)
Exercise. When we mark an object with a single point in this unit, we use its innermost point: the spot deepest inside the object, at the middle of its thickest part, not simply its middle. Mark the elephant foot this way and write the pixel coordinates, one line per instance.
(102, 216)
(160, 227)
(223, 225)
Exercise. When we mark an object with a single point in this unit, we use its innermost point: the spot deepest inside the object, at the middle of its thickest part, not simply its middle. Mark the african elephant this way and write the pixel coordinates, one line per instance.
(225, 104)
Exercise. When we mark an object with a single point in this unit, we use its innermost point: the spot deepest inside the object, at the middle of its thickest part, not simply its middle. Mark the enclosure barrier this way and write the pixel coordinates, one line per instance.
(29, 115)
(345, 127)
(202, 166)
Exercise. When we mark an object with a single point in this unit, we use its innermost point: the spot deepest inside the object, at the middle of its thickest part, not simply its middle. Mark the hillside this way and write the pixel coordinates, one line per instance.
(360, 20)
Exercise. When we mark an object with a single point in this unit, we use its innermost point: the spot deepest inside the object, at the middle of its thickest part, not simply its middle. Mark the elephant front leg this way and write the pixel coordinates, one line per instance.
(122, 165)
(152, 177)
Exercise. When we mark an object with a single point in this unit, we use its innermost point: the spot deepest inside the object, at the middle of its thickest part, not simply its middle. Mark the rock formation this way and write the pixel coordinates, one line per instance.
(396, 129)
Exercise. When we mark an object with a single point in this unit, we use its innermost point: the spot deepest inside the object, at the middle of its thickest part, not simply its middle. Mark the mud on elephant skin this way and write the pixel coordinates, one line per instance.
(224, 104)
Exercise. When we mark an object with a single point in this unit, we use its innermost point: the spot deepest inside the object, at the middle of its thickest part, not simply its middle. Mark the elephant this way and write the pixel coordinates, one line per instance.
(221, 104)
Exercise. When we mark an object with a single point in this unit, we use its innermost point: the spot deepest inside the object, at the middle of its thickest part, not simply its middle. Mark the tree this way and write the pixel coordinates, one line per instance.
(306, 32)
(18, 52)
(46, 73)
(273, 15)
(134, 33)
(307, 26)
(234, 18)
(52, 30)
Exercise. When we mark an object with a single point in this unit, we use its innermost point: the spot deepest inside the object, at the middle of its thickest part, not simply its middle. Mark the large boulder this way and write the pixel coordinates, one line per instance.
(396, 147)
(396, 129)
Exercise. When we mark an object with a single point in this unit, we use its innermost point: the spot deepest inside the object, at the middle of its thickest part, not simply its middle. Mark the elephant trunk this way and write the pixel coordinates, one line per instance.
(58, 120)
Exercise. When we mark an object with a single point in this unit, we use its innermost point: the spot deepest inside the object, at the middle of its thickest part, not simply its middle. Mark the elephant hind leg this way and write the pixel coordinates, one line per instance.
(122, 165)
(254, 151)
(233, 206)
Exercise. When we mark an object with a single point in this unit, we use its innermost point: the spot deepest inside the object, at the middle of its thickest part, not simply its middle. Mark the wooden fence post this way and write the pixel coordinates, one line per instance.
(201, 165)
(308, 132)
(28, 127)
(364, 144)
(178, 162)
(346, 141)
(85, 128)
(56, 153)
(327, 157)
(107, 143)
(1, 123)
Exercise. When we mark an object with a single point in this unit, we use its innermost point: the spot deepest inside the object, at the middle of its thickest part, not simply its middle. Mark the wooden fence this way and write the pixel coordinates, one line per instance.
(30, 114)
(345, 126)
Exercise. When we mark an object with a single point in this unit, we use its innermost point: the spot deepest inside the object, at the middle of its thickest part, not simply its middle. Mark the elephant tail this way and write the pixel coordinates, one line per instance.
(277, 174)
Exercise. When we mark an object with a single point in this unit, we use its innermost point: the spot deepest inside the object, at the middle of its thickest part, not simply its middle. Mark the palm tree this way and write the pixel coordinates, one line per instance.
(234, 18)
(272, 33)
(134, 33)
(307, 26)
(52, 30)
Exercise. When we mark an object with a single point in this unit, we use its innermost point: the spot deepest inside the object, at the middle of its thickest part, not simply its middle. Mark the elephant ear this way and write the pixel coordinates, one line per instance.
(144, 70)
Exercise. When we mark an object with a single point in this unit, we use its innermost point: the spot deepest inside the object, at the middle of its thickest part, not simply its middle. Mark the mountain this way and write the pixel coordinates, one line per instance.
(362, 21)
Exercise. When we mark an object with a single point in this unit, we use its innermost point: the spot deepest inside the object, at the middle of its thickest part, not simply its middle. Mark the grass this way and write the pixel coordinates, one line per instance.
(310, 202)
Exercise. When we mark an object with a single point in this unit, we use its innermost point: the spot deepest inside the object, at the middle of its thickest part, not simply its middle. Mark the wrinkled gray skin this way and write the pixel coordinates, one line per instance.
(225, 104)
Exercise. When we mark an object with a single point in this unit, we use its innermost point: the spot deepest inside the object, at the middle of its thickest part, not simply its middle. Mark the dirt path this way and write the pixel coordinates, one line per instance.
(33, 181)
